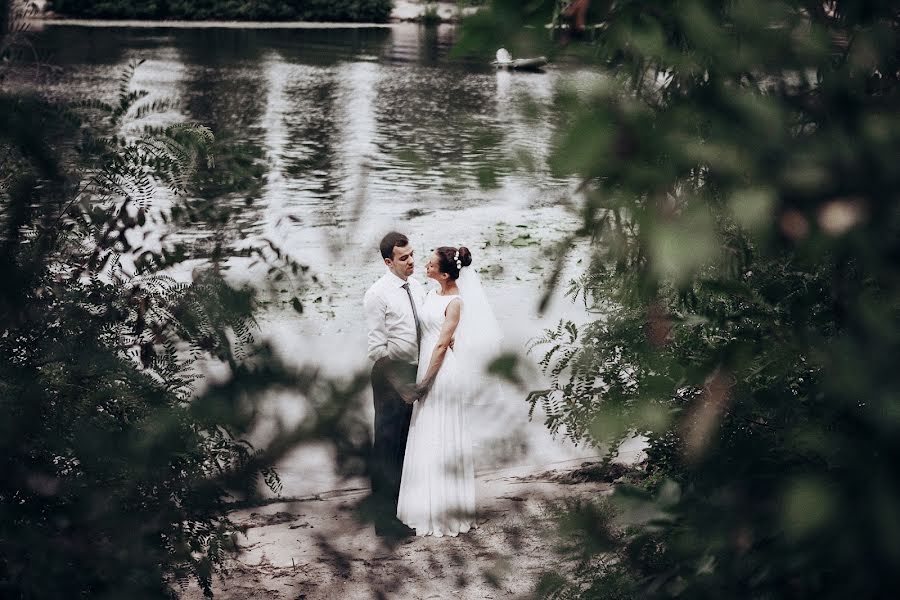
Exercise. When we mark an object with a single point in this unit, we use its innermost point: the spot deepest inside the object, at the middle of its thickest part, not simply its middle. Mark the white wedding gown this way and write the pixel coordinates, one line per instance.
(437, 490)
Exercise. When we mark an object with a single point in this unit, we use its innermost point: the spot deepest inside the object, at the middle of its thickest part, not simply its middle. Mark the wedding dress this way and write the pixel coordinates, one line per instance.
(437, 490)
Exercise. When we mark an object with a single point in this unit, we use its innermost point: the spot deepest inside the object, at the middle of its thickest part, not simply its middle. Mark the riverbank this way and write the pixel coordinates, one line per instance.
(315, 548)
(404, 11)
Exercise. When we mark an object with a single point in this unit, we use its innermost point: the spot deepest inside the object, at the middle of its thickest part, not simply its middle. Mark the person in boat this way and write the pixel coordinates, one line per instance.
(576, 13)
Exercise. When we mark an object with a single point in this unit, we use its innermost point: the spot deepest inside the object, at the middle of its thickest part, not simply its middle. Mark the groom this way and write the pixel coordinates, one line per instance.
(392, 318)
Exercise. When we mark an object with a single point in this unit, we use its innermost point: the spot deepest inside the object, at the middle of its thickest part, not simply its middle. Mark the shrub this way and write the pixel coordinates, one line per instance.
(742, 213)
(116, 472)
(240, 10)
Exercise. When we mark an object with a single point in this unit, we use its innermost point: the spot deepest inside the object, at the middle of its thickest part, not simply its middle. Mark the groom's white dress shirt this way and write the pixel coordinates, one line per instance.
(390, 320)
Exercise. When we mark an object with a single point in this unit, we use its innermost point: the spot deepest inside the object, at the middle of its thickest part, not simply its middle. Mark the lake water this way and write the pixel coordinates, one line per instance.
(362, 130)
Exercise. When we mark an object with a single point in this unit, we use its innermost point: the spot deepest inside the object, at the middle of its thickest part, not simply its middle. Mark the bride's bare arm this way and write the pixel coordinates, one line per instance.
(445, 341)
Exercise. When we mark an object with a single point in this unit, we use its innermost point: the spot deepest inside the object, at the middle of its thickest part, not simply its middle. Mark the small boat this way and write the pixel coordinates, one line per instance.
(505, 61)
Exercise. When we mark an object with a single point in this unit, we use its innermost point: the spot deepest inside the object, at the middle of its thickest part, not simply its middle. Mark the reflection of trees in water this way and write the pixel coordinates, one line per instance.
(327, 46)
(438, 124)
(423, 45)
(86, 62)
(322, 105)
(310, 157)
(430, 123)
(225, 89)
(435, 44)
(66, 46)
(448, 124)
(231, 88)
(429, 46)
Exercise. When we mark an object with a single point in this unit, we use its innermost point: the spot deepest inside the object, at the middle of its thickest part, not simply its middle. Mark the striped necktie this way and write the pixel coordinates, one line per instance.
(415, 314)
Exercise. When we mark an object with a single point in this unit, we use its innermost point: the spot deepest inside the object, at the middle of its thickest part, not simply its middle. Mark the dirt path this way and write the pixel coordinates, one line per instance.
(317, 549)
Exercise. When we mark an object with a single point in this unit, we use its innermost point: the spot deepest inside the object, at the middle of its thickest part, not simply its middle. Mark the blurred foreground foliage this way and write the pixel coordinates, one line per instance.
(740, 192)
(115, 470)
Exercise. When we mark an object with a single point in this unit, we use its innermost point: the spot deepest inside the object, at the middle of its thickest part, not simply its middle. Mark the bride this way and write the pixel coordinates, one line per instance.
(459, 336)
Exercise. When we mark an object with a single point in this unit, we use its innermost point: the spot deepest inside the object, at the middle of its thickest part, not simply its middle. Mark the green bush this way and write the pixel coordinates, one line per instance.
(240, 10)
(115, 472)
(107, 469)
(112, 9)
(741, 197)
(377, 11)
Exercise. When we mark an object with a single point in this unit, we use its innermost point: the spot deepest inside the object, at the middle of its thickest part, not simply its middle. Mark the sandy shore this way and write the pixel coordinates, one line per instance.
(316, 548)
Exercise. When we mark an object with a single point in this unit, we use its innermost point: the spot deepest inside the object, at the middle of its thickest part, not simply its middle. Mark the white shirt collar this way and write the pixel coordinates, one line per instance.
(394, 280)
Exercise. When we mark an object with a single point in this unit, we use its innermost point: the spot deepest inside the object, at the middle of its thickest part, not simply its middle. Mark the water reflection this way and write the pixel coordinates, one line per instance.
(310, 120)
(319, 123)
(324, 105)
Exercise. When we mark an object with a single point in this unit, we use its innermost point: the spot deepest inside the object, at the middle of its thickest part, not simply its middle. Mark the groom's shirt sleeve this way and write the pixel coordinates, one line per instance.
(375, 307)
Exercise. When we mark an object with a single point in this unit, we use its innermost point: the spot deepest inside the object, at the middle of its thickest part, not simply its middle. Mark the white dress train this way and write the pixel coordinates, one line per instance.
(437, 489)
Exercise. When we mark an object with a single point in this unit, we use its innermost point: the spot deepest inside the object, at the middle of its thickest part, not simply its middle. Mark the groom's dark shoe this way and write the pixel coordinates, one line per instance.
(394, 530)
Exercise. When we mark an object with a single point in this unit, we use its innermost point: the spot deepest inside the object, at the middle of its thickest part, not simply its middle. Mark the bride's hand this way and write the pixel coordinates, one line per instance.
(422, 391)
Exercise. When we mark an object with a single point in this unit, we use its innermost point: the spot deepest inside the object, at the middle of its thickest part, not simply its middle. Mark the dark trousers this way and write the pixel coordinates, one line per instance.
(392, 417)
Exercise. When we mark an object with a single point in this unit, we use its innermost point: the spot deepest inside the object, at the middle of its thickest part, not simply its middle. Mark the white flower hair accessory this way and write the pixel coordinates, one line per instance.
(458, 262)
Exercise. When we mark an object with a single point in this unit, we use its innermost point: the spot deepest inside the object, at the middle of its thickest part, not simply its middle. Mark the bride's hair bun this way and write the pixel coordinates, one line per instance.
(465, 257)
(448, 257)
